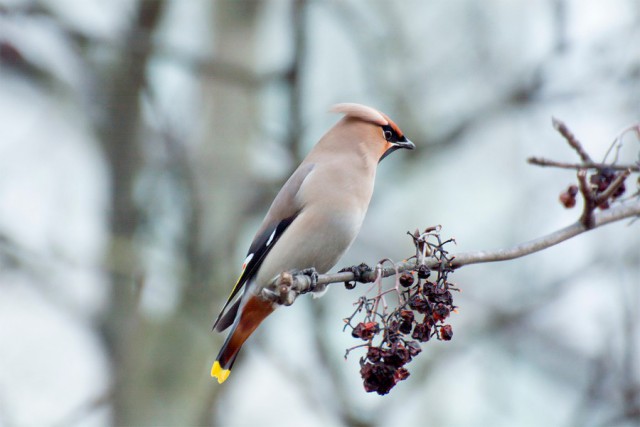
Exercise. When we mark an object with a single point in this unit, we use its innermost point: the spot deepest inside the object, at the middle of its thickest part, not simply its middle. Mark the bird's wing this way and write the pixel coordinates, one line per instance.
(284, 210)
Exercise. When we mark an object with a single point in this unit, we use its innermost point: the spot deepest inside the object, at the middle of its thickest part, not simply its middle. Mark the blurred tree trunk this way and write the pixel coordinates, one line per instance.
(231, 110)
(119, 129)
(161, 367)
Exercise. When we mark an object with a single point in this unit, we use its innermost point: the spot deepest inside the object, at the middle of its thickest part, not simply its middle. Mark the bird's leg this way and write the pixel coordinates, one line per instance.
(359, 273)
(281, 290)
(285, 288)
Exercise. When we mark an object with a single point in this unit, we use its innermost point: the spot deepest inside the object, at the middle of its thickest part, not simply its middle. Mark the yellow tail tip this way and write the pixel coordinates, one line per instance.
(219, 373)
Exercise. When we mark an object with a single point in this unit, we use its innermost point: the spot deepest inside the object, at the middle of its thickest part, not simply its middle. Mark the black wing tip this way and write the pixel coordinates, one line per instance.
(226, 317)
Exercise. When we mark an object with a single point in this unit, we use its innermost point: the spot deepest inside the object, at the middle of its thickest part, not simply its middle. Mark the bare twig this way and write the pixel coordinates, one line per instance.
(589, 200)
(617, 141)
(571, 139)
(539, 161)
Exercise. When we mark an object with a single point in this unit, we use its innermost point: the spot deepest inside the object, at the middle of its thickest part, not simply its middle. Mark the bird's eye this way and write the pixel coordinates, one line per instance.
(388, 135)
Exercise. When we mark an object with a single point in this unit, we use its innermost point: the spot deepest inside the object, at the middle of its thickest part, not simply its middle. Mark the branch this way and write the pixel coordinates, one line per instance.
(571, 139)
(628, 209)
(287, 286)
(540, 161)
(589, 200)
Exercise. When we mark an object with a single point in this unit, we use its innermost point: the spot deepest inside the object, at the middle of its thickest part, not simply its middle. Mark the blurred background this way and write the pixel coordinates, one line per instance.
(142, 142)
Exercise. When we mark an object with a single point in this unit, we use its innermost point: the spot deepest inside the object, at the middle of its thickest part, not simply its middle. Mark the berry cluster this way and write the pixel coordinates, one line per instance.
(393, 339)
(568, 197)
(600, 183)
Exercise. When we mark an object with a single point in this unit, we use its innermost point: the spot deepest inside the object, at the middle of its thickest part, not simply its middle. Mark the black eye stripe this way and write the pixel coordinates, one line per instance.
(389, 134)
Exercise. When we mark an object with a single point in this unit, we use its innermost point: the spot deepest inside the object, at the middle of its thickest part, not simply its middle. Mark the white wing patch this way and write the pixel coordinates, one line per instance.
(271, 237)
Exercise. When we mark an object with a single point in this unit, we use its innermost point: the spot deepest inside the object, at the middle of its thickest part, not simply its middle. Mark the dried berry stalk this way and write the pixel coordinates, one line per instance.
(392, 337)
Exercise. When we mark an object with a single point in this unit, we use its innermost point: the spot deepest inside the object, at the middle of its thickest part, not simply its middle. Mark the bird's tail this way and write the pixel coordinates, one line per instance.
(247, 320)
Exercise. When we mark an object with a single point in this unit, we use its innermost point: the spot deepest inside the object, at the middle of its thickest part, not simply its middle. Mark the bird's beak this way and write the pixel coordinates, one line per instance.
(396, 146)
(405, 144)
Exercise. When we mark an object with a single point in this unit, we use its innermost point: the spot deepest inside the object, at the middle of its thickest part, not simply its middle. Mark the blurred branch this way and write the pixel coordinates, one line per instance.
(220, 69)
(82, 412)
(207, 67)
(12, 58)
(612, 394)
(295, 128)
(123, 81)
(630, 369)
(140, 45)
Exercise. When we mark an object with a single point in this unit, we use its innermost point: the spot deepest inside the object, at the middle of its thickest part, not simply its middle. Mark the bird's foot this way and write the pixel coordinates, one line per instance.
(359, 272)
(286, 287)
(313, 278)
(281, 290)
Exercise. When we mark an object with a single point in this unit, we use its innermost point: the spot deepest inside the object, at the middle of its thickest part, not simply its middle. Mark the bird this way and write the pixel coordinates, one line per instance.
(313, 220)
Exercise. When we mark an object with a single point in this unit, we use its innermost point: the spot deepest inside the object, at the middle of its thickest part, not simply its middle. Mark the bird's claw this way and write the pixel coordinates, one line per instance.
(359, 271)
(313, 278)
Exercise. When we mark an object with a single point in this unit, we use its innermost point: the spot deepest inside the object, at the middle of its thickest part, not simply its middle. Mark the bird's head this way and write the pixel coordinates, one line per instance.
(386, 135)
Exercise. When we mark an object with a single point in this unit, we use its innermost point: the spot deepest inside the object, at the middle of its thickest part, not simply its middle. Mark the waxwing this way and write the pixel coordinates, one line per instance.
(312, 221)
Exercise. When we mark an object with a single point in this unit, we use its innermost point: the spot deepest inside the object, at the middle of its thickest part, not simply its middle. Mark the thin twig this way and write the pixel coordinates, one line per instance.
(617, 141)
(539, 161)
(613, 187)
(589, 200)
(571, 139)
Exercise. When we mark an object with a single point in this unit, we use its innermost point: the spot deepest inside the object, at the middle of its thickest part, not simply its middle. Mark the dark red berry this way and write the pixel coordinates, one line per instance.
(407, 315)
(378, 377)
(401, 374)
(374, 354)
(602, 179)
(406, 279)
(397, 355)
(428, 288)
(446, 332)
(421, 332)
(405, 327)
(418, 304)
(423, 272)
(365, 331)
(441, 296)
(440, 312)
(567, 199)
(619, 191)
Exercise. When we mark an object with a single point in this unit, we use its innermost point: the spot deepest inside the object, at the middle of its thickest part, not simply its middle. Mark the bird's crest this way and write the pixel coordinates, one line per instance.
(361, 112)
